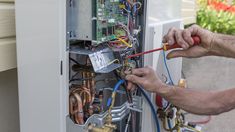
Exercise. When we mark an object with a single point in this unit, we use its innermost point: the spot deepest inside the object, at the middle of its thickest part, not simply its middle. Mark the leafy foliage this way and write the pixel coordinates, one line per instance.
(216, 16)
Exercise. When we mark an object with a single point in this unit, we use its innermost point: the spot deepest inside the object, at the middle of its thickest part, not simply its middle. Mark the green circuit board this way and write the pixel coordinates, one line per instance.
(108, 14)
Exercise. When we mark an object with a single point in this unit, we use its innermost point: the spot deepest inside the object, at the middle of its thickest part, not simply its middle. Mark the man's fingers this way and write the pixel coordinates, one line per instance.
(187, 37)
(139, 71)
(130, 85)
(180, 40)
(164, 39)
(170, 37)
(176, 53)
(193, 30)
(134, 79)
(195, 51)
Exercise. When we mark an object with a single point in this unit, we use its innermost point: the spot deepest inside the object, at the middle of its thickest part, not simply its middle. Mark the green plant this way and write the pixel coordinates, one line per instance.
(217, 17)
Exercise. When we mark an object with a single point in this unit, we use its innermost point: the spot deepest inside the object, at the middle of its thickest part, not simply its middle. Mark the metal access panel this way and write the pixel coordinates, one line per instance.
(95, 20)
(41, 63)
(80, 19)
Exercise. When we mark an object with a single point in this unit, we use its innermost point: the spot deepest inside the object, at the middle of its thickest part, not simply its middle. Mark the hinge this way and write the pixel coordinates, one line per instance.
(61, 67)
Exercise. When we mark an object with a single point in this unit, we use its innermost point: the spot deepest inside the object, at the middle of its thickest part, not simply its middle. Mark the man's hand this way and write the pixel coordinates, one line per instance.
(146, 77)
(184, 39)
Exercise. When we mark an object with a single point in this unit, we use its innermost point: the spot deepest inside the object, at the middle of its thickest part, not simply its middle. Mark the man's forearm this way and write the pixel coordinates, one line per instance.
(202, 103)
(223, 45)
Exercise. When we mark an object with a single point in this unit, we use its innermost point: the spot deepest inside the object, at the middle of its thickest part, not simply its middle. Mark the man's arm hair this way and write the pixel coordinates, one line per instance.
(197, 102)
(223, 45)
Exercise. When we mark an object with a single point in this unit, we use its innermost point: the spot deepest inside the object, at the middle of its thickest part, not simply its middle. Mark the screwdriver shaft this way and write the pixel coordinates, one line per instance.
(143, 53)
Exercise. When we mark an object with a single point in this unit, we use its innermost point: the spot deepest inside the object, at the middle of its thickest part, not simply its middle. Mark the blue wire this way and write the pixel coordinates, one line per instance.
(167, 69)
(147, 98)
(152, 107)
(118, 84)
(172, 83)
(169, 124)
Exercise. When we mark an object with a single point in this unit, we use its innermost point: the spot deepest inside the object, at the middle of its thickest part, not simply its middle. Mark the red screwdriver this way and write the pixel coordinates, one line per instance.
(196, 41)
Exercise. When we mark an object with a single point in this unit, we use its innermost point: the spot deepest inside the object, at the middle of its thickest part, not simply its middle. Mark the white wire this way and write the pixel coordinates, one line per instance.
(127, 124)
(127, 10)
(139, 3)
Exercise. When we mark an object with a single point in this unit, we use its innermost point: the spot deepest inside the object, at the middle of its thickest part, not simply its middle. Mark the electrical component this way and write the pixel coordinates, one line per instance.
(103, 61)
(102, 33)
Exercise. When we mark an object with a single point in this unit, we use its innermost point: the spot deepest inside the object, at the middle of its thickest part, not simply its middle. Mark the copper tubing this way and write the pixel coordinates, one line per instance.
(76, 108)
(84, 94)
(84, 76)
(89, 83)
(92, 84)
(76, 103)
(88, 75)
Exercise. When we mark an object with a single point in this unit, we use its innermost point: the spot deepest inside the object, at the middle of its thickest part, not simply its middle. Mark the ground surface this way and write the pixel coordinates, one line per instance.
(212, 73)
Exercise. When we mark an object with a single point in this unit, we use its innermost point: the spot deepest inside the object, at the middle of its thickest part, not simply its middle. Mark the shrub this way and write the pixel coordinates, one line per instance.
(216, 16)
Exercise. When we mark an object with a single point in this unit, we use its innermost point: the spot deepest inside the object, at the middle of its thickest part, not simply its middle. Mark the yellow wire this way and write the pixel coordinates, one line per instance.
(178, 130)
(116, 60)
(112, 103)
(124, 42)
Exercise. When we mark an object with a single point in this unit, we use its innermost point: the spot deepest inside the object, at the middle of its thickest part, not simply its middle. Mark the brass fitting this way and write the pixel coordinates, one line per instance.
(182, 83)
(108, 119)
(105, 128)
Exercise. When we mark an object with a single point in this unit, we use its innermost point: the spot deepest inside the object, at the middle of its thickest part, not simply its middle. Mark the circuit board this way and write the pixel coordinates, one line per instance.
(109, 13)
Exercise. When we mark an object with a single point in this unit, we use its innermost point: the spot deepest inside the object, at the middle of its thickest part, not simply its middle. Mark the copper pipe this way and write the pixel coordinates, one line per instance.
(79, 89)
(88, 80)
(92, 83)
(76, 108)
(84, 76)
(84, 94)
(72, 101)
(88, 62)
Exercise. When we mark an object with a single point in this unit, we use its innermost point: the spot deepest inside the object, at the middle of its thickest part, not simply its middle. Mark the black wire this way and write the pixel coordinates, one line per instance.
(80, 79)
(74, 75)
(73, 60)
(133, 114)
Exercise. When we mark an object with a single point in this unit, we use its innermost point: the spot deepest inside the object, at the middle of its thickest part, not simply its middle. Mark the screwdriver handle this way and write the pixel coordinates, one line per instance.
(196, 41)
